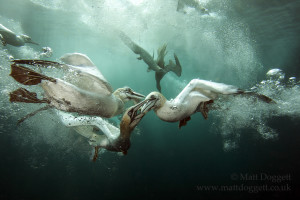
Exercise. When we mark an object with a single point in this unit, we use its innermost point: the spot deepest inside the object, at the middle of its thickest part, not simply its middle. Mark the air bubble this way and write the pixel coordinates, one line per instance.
(275, 74)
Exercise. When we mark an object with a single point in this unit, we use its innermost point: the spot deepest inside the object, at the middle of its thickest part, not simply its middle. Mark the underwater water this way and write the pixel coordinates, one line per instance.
(245, 149)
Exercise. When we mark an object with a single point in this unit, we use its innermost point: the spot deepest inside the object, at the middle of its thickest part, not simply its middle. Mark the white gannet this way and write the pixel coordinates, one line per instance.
(157, 65)
(9, 37)
(88, 94)
(113, 138)
(193, 98)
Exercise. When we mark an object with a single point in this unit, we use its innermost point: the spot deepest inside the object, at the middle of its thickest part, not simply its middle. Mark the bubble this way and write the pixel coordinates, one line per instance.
(275, 74)
(240, 112)
(292, 81)
(46, 52)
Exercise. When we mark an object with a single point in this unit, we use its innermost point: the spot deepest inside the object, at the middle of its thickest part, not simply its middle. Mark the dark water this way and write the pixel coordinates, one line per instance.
(245, 152)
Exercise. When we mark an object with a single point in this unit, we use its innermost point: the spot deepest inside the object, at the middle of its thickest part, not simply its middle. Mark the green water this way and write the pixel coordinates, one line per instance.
(237, 43)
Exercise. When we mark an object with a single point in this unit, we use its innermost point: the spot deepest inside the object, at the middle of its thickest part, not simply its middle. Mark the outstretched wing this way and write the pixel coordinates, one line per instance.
(108, 129)
(87, 76)
(80, 71)
(161, 53)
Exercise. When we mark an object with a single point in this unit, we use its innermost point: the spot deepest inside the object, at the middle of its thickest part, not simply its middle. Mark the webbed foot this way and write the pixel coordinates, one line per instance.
(202, 107)
(23, 95)
(184, 121)
(96, 153)
(27, 76)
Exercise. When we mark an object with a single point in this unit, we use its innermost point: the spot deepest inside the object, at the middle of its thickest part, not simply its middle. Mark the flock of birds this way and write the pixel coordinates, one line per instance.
(85, 97)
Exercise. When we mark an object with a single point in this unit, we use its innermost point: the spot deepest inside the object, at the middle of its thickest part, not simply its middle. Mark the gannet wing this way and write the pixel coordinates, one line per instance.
(77, 59)
(213, 89)
(108, 129)
(6, 33)
(205, 90)
(83, 63)
(86, 76)
(89, 82)
(161, 53)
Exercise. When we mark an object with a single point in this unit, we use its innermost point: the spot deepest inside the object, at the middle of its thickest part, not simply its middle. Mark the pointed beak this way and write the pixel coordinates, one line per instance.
(148, 105)
(135, 112)
(32, 42)
(135, 96)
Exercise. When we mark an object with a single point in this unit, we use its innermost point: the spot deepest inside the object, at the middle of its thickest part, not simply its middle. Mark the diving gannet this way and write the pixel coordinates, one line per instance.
(157, 65)
(9, 37)
(193, 98)
(88, 94)
(113, 138)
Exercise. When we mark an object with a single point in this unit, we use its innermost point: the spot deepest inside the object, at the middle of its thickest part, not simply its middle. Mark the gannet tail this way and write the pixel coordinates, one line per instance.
(27, 76)
(161, 53)
(174, 67)
(258, 96)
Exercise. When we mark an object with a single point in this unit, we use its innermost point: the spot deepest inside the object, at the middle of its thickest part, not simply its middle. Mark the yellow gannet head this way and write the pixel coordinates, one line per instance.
(130, 120)
(154, 100)
(127, 94)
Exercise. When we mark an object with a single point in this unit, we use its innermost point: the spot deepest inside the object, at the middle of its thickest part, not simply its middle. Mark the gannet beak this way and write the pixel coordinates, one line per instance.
(135, 114)
(137, 97)
(32, 42)
(149, 104)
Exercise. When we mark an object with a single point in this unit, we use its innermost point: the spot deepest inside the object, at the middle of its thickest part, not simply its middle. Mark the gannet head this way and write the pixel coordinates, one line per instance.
(130, 120)
(127, 94)
(27, 39)
(154, 100)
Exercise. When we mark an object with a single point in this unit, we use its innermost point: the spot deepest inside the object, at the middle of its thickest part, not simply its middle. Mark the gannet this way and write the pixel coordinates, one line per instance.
(88, 94)
(113, 138)
(195, 97)
(157, 65)
(9, 37)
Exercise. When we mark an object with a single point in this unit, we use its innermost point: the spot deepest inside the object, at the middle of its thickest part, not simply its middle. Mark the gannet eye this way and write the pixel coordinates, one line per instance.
(152, 96)
(127, 90)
